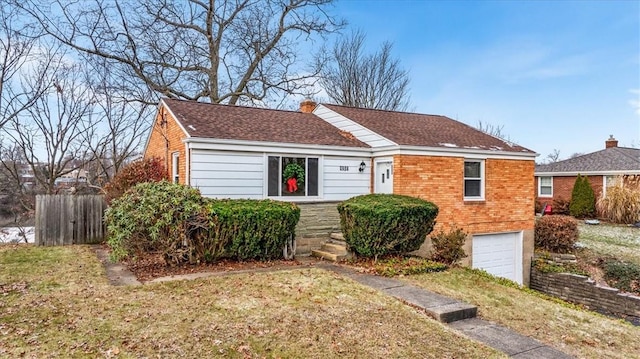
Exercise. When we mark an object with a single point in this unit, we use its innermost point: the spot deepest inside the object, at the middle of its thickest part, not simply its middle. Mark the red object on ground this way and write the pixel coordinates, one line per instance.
(547, 209)
(292, 184)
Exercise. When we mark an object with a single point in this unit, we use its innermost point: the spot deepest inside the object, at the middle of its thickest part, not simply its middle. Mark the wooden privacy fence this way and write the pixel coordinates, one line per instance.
(69, 219)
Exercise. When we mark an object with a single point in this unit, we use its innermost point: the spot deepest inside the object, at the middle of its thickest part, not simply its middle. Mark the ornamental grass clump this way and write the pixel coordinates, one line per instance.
(622, 201)
(379, 224)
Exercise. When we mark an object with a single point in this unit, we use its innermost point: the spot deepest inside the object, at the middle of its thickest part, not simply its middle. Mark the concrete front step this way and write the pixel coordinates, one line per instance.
(332, 250)
(337, 236)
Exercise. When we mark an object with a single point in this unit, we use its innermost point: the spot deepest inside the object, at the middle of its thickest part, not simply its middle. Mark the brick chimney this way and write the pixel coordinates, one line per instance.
(611, 142)
(307, 105)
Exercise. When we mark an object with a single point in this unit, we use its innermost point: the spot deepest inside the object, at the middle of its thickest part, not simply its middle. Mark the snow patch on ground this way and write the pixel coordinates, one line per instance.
(17, 235)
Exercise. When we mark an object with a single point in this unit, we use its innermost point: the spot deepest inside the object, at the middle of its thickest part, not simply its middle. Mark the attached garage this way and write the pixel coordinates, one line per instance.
(499, 254)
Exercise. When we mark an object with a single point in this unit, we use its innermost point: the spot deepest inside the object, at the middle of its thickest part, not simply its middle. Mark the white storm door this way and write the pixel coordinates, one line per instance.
(384, 177)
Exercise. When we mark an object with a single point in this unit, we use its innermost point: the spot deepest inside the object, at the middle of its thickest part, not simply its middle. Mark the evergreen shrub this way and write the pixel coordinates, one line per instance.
(378, 224)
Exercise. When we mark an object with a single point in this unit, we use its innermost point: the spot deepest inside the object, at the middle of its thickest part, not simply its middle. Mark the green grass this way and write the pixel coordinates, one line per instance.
(56, 302)
(618, 241)
(564, 326)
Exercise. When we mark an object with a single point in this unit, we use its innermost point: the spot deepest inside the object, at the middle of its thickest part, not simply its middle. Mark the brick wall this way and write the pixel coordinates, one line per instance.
(563, 186)
(583, 290)
(509, 198)
(166, 138)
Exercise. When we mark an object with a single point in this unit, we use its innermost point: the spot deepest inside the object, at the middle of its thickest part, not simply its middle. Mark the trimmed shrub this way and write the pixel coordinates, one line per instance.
(556, 233)
(561, 206)
(153, 216)
(253, 229)
(380, 224)
(583, 199)
(624, 276)
(145, 170)
(185, 227)
(621, 205)
(447, 246)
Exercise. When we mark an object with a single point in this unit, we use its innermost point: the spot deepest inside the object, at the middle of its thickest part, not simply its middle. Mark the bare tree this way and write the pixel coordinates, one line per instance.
(222, 51)
(19, 47)
(554, 156)
(119, 121)
(353, 78)
(16, 191)
(493, 130)
(49, 134)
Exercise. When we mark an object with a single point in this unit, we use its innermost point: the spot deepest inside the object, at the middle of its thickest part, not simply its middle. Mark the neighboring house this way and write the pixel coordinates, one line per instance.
(554, 181)
(480, 183)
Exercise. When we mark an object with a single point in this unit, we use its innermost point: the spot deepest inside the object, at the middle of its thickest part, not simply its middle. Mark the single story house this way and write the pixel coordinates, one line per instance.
(480, 183)
(554, 181)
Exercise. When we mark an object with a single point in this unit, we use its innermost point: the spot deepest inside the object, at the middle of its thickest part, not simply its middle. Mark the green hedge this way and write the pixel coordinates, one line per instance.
(380, 224)
(151, 216)
(185, 227)
(253, 229)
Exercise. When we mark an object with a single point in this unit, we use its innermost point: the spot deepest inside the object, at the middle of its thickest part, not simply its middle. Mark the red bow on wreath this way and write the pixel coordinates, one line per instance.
(292, 184)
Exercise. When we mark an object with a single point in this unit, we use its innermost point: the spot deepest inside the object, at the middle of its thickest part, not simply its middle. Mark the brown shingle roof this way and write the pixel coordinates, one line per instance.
(609, 159)
(414, 129)
(256, 124)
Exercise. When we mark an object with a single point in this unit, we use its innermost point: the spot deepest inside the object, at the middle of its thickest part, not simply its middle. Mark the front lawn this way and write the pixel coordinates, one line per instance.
(56, 302)
(608, 240)
(576, 332)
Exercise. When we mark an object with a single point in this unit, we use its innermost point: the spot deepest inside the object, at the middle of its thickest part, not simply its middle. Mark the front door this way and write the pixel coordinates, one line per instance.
(384, 177)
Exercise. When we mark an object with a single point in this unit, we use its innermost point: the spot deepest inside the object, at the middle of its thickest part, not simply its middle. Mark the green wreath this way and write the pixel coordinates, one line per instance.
(294, 170)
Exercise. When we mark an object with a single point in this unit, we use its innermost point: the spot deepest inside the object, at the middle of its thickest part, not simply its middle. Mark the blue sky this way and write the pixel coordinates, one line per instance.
(556, 74)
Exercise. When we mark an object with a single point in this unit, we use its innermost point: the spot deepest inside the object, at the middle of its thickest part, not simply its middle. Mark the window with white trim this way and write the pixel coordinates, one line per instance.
(473, 179)
(175, 163)
(292, 176)
(545, 186)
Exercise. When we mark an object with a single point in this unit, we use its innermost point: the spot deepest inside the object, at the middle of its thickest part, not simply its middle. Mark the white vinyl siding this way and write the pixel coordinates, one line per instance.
(228, 175)
(545, 186)
(360, 132)
(343, 184)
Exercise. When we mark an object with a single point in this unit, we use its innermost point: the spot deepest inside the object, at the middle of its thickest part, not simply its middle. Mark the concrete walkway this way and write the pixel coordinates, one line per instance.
(457, 315)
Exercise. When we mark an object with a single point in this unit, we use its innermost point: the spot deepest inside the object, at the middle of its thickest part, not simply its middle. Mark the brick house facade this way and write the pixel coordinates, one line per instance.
(554, 182)
(480, 183)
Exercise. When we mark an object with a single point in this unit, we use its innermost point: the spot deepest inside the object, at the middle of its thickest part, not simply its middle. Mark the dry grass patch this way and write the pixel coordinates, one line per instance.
(577, 332)
(619, 241)
(62, 306)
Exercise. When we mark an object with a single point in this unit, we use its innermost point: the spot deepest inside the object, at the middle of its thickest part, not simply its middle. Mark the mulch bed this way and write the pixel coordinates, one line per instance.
(153, 266)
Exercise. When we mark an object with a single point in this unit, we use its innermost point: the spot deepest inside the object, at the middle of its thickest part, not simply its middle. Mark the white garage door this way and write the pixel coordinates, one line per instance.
(499, 254)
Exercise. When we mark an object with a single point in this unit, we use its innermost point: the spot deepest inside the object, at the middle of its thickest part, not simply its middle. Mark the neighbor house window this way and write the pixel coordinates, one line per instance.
(545, 186)
(473, 179)
(611, 181)
(175, 163)
(292, 176)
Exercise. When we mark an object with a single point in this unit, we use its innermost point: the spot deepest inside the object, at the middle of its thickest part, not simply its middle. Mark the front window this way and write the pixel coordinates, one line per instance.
(473, 180)
(175, 165)
(545, 186)
(292, 176)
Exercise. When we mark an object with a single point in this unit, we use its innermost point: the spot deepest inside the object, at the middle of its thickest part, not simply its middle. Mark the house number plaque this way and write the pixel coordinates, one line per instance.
(344, 168)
